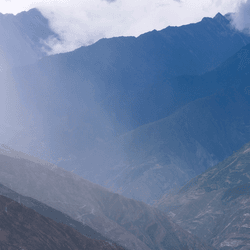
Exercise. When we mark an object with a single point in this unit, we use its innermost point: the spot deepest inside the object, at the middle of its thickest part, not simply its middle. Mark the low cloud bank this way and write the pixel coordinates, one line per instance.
(241, 18)
(81, 23)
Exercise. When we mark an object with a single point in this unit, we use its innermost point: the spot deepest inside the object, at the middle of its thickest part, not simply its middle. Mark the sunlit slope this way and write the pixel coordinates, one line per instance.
(215, 205)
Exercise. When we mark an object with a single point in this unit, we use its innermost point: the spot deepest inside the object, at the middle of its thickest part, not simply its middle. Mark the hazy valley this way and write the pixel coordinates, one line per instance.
(131, 143)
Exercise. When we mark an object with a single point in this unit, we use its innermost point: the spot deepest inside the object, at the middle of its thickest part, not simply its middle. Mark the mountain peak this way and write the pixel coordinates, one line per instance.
(219, 17)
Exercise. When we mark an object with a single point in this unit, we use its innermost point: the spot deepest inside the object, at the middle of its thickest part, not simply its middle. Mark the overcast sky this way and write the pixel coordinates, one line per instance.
(82, 22)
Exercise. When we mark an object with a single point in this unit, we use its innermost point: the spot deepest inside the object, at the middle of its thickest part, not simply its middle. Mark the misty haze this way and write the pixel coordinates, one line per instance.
(125, 125)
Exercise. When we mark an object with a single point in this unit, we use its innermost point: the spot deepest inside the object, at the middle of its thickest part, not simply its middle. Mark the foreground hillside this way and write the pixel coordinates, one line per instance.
(130, 223)
(23, 228)
(53, 214)
(215, 205)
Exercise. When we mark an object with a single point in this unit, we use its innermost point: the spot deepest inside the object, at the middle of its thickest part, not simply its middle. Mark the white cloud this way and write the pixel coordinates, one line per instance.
(84, 22)
(241, 19)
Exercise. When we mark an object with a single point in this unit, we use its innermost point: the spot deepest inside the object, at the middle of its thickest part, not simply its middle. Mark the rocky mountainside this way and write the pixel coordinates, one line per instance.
(127, 222)
(22, 36)
(215, 205)
(23, 228)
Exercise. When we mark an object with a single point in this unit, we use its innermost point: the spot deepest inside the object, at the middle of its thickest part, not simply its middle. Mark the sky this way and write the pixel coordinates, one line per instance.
(83, 22)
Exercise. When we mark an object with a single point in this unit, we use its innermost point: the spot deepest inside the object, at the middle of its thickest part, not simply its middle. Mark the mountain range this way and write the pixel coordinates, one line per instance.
(149, 125)
(129, 77)
(82, 100)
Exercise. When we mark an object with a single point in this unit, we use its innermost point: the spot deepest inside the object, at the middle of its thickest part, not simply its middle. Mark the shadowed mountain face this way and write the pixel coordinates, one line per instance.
(164, 155)
(128, 76)
(23, 228)
(216, 204)
(21, 37)
(130, 223)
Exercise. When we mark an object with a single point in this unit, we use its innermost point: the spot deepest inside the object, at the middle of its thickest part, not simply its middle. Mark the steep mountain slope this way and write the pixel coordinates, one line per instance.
(21, 37)
(215, 205)
(131, 224)
(233, 72)
(22, 227)
(164, 155)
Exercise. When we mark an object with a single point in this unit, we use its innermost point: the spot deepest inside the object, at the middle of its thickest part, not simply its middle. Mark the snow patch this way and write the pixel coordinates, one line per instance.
(231, 243)
(171, 214)
(246, 151)
(246, 226)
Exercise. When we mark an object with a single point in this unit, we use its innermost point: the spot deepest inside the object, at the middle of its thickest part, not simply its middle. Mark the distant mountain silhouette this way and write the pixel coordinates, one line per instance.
(128, 74)
(21, 35)
(129, 223)
(215, 204)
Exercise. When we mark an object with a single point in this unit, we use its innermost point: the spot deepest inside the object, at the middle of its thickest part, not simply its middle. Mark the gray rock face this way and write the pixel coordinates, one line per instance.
(130, 223)
(216, 204)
